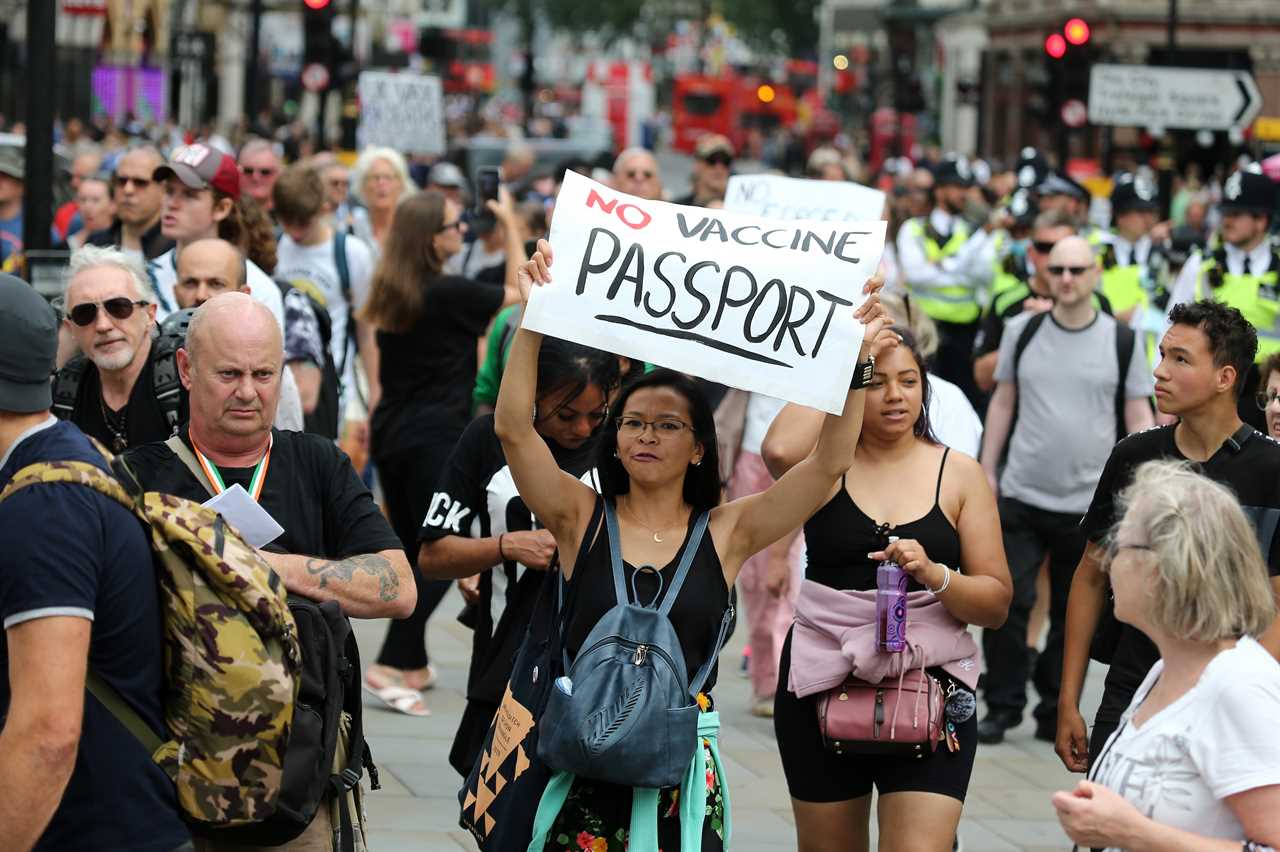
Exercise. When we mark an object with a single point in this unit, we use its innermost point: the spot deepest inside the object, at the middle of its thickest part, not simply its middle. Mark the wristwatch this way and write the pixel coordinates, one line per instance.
(862, 373)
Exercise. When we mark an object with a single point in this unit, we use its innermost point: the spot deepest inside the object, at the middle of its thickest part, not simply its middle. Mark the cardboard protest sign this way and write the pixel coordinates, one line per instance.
(778, 197)
(753, 303)
(402, 111)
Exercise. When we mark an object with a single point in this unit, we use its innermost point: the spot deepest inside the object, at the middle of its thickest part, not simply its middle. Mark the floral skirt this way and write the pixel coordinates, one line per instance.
(597, 817)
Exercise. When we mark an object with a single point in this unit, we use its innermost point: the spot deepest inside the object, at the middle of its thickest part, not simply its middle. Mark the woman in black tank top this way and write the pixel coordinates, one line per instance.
(937, 503)
(659, 469)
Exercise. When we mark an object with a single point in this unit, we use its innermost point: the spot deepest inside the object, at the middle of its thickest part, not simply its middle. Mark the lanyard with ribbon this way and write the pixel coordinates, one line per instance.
(255, 482)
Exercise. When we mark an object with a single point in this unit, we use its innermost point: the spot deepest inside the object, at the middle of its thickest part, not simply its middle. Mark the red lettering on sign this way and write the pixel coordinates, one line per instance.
(628, 214)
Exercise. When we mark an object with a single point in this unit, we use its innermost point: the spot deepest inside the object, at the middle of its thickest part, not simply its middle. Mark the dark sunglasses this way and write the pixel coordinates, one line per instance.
(1042, 247)
(257, 172)
(1077, 271)
(718, 159)
(120, 307)
(141, 183)
(640, 175)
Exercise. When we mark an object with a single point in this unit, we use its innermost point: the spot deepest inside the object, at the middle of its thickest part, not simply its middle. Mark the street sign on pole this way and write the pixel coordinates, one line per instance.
(1191, 98)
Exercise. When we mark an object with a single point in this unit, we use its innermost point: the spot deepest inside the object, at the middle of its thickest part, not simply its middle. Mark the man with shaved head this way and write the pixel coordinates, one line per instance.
(635, 172)
(1070, 384)
(336, 544)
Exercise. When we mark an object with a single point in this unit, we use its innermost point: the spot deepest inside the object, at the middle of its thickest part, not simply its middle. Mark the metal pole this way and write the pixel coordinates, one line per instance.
(1166, 156)
(41, 77)
(255, 57)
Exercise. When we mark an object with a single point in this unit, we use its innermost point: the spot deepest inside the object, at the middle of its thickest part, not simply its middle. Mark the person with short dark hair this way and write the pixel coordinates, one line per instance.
(77, 595)
(1268, 398)
(1205, 359)
(138, 197)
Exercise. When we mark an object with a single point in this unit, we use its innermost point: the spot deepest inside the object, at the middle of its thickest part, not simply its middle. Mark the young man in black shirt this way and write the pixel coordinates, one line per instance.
(336, 545)
(1204, 359)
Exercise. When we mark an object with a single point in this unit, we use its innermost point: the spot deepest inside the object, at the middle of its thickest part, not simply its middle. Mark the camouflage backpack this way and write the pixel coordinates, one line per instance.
(231, 653)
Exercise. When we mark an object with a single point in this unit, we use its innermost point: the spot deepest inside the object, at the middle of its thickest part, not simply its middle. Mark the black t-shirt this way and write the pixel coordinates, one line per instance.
(1249, 467)
(144, 420)
(477, 498)
(71, 551)
(311, 490)
(429, 372)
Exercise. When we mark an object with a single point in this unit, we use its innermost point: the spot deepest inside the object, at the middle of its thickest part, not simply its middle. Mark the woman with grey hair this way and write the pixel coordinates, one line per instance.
(1195, 763)
(378, 181)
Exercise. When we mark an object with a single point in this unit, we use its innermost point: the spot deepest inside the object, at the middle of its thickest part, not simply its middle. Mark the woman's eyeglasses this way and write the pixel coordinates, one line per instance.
(633, 427)
(120, 307)
(1265, 398)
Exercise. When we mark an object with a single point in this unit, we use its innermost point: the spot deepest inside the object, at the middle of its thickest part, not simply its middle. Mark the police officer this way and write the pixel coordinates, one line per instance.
(1242, 271)
(1132, 262)
(945, 266)
(1032, 168)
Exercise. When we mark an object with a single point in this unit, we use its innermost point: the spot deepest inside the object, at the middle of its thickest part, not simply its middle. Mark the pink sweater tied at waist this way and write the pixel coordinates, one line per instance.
(835, 636)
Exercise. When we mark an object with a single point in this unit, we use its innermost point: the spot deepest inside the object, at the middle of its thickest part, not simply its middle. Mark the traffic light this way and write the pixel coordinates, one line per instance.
(1055, 45)
(318, 42)
(317, 4)
(1076, 31)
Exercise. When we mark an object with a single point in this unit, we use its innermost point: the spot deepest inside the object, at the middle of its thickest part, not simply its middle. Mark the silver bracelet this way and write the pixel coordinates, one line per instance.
(946, 581)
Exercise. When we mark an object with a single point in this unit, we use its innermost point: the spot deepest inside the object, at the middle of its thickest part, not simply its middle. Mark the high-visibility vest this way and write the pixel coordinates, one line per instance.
(1255, 296)
(957, 303)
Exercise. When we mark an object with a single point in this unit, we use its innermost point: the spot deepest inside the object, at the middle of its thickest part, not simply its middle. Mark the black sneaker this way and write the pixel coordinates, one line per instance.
(991, 729)
(1046, 731)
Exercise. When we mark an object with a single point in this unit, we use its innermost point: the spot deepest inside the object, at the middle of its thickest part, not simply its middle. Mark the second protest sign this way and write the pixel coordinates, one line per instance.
(753, 303)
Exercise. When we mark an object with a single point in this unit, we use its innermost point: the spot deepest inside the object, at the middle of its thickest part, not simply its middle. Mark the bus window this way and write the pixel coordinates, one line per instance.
(702, 103)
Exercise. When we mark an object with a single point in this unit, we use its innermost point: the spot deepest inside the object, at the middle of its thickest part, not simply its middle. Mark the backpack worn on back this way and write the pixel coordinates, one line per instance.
(231, 653)
(627, 712)
(330, 690)
(324, 419)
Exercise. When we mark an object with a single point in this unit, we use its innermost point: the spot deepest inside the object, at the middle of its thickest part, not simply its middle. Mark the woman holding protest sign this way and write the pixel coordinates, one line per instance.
(661, 492)
(908, 500)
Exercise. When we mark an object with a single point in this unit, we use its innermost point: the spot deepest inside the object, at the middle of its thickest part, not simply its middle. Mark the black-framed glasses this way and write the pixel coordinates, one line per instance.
(457, 225)
(637, 175)
(1043, 247)
(667, 427)
(119, 307)
(122, 181)
(1265, 398)
(718, 159)
(1076, 271)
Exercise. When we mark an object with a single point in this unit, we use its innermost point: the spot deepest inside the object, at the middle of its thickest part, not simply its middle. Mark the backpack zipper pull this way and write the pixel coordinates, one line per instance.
(642, 652)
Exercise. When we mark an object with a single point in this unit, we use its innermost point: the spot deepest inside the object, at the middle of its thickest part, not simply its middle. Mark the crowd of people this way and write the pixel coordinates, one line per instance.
(1079, 419)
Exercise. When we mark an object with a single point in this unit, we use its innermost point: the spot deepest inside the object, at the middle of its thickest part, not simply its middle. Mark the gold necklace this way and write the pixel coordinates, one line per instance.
(657, 538)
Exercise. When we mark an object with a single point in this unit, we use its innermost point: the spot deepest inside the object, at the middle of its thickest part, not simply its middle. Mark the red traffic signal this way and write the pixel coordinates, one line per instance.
(317, 4)
(1076, 31)
(1056, 46)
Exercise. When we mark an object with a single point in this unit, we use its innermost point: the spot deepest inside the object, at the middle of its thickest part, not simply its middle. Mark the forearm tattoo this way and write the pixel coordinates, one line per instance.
(343, 570)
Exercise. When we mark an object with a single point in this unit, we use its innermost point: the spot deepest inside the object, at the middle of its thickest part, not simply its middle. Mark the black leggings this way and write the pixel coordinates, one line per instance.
(408, 480)
(815, 774)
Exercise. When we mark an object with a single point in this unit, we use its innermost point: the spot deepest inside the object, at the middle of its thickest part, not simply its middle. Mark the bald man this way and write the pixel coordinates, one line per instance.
(336, 545)
(635, 172)
(1078, 385)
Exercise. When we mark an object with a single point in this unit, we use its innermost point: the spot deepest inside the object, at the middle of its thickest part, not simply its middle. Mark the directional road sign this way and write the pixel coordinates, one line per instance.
(1193, 98)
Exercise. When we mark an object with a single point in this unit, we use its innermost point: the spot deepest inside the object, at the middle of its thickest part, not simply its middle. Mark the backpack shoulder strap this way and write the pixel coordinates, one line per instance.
(1125, 341)
(109, 698)
(66, 386)
(188, 458)
(686, 561)
(164, 379)
(615, 552)
(1024, 340)
(340, 261)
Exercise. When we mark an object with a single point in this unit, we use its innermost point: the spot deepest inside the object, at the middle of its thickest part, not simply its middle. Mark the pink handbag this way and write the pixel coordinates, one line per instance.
(902, 715)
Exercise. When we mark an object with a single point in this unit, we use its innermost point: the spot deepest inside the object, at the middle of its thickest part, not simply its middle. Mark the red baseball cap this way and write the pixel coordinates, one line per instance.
(202, 167)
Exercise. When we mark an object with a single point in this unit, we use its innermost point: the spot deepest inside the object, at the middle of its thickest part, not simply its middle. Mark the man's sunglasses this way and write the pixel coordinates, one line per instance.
(1042, 247)
(718, 159)
(635, 175)
(120, 308)
(141, 183)
(1076, 271)
(252, 172)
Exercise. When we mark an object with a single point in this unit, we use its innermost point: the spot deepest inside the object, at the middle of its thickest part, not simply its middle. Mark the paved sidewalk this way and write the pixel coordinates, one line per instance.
(417, 808)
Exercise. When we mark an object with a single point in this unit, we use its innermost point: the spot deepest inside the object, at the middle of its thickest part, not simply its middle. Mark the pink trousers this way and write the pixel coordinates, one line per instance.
(768, 616)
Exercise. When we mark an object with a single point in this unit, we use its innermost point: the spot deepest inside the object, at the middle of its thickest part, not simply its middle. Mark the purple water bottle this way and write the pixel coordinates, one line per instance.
(891, 606)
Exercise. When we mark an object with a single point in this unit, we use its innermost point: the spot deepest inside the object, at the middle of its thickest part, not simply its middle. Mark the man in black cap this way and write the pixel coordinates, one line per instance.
(76, 584)
(1243, 271)
(945, 263)
(1032, 168)
(712, 165)
(1058, 191)
(1132, 262)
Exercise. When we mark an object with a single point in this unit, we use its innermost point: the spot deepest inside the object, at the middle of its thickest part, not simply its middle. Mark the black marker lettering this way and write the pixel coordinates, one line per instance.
(810, 237)
(849, 240)
(777, 315)
(587, 266)
(834, 300)
(724, 294)
(715, 228)
(686, 231)
(764, 238)
(790, 325)
(657, 270)
(688, 285)
(737, 235)
(635, 255)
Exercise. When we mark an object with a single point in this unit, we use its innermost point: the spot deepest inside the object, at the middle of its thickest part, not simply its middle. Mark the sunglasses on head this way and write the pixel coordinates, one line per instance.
(718, 159)
(120, 307)
(1076, 271)
(1043, 247)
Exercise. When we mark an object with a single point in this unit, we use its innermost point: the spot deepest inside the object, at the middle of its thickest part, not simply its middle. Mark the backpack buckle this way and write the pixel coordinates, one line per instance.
(348, 779)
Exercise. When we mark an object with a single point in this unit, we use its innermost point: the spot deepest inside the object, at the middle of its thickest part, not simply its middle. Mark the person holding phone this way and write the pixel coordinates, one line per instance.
(484, 255)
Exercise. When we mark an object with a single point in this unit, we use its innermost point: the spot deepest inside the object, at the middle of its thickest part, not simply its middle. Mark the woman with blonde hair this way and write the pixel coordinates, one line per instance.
(1195, 763)
(379, 180)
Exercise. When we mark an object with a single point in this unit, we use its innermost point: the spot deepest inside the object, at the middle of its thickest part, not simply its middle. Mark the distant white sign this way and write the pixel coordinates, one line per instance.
(401, 111)
(446, 14)
(778, 197)
(1191, 98)
(754, 303)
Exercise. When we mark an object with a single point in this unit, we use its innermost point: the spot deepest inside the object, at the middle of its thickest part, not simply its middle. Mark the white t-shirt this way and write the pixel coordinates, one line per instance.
(164, 274)
(952, 417)
(1217, 740)
(314, 270)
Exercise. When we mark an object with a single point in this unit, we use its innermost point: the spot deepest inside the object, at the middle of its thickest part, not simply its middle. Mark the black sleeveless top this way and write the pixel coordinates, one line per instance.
(840, 535)
(696, 615)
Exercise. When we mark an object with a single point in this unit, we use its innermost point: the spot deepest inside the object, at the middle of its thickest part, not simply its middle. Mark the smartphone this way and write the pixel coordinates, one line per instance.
(487, 179)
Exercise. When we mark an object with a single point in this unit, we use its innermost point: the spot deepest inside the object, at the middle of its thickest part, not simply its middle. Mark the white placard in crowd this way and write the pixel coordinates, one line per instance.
(778, 197)
(404, 111)
(749, 302)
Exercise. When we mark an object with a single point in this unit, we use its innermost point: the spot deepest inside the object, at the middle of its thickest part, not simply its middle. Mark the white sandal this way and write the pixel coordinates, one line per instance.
(401, 699)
